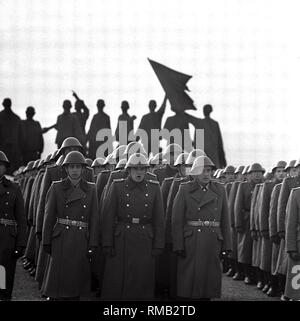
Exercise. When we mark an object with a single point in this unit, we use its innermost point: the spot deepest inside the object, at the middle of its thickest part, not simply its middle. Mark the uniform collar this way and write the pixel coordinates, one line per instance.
(67, 184)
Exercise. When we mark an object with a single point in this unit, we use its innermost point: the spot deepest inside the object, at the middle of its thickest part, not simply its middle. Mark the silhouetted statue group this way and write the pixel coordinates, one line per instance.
(22, 140)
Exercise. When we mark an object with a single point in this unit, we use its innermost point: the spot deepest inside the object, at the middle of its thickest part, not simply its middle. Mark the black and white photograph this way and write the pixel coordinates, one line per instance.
(149, 153)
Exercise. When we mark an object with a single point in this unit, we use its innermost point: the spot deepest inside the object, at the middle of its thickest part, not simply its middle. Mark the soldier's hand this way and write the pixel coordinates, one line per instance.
(157, 252)
(39, 236)
(108, 251)
(275, 239)
(240, 230)
(265, 234)
(180, 253)
(281, 235)
(294, 256)
(47, 249)
(254, 235)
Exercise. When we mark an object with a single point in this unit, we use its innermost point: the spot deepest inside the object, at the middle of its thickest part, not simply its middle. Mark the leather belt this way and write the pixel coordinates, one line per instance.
(203, 223)
(72, 223)
(134, 220)
(4, 221)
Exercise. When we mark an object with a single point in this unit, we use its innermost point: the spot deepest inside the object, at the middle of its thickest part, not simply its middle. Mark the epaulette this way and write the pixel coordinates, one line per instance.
(91, 183)
(119, 180)
(169, 178)
(153, 182)
(151, 174)
(185, 183)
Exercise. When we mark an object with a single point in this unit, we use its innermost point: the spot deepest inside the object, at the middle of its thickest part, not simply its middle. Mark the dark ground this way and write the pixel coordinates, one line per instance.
(26, 289)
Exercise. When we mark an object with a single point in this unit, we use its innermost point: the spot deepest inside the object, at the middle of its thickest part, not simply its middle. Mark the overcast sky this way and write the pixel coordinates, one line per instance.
(243, 55)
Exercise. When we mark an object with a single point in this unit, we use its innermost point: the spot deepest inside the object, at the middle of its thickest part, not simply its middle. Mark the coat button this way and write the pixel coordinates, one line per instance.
(199, 230)
(67, 227)
(6, 214)
(127, 205)
(199, 208)
(67, 205)
(82, 216)
(84, 206)
(6, 203)
(67, 216)
(143, 226)
(128, 226)
(127, 195)
(80, 228)
(146, 205)
(146, 194)
(7, 193)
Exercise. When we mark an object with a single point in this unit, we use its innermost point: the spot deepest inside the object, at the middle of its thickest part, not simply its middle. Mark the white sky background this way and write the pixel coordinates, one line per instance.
(243, 55)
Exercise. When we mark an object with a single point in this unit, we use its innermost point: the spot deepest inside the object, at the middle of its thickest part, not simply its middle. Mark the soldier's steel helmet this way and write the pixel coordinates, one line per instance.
(121, 164)
(29, 166)
(239, 169)
(256, 167)
(110, 160)
(74, 157)
(55, 156)
(199, 163)
(221, 174)
(229, 169)
(60, 160)
(297, 163)
(193, 155)
(246, 170)
(4, 159)
(133, 148)
(70, 142)
(290, 165)
(89, 162)
(98, 162)
(36, 164)
(137, 160)
(157, 159)
(119, 151)
(280, 164)
(181, 159)
(173, 149)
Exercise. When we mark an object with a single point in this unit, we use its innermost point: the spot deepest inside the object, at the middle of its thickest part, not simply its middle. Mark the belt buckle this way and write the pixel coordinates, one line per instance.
(135, 220)
(206, 223)
(74, 223)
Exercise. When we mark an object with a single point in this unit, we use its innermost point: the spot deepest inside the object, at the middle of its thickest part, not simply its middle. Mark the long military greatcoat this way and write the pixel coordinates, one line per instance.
(242, 220)
(254, 225)
(266, 249)
(288, 184)
(68, 273)
(293, 244)
(231, 201)
(54, 173)
(11, 208)
(273, 225)
(199, 273)
(130, 273)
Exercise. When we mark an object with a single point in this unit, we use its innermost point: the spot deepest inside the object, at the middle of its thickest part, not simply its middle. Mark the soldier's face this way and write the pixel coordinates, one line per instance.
(74, 171)
(294, 171)
(98, 170)
(279, 173)
(137, 174)
(256, 176)
(2, 169)
(229, 178)
(205, 176)
(181, 170)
